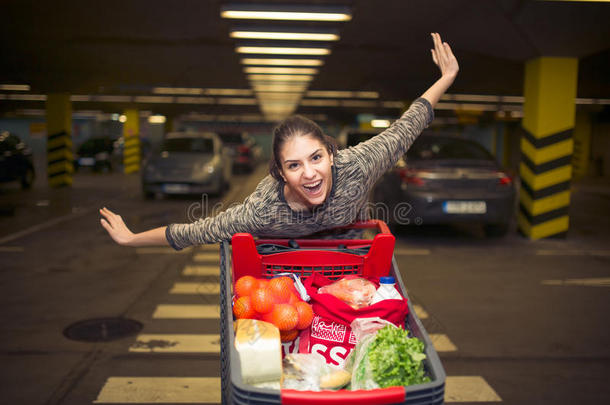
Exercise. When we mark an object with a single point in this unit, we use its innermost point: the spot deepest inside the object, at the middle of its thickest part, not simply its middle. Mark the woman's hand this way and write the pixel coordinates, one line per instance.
(115, 226)
(444, 58)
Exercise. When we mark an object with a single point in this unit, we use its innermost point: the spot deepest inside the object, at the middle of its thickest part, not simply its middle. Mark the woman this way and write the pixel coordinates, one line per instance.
(312, 186)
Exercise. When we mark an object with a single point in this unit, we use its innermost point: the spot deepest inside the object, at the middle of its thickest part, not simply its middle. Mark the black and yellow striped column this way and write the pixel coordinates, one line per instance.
(546, 146)
(60, 165)
(131, 136)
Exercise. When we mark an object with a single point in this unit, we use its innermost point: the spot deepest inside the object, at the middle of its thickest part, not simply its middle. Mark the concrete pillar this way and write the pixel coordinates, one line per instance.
(582, 144)
(131, 136)
(60, 165)
(546, 146)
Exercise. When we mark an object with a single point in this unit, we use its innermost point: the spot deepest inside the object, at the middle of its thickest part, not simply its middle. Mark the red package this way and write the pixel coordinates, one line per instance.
(357, 292)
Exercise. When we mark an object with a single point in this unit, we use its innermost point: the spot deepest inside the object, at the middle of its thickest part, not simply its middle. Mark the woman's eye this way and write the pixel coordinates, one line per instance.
(292, 166)
(317, 157)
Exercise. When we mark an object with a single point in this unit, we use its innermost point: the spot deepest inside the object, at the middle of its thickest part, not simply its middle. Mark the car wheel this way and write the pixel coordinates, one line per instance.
(28, 178)
(496, 230)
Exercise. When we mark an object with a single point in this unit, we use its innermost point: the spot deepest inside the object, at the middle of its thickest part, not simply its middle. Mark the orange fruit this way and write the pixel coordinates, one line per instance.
(289, 336)
(266, 317)
(245, 285)
(285, 317)
(263, 283)
(262, 300)
(294, 298)
(281, 287)
(305, 314)
(242, 308)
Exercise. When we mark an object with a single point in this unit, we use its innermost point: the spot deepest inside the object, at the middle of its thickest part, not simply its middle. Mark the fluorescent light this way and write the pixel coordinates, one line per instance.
(228, 92)
(283, 35)
(280, 70)
(276, 87)
(154, 99)
(113, 99)
(342, 94)
(177, 90)
(75, 97)
(282, 62)
(279, 12)
(122, 118)
(281, 50)
(280, 78)
(320, 103)
(380, 123)
(393, 104)
(27, 97)
(156, 119)
(237, 101)
(194, 100)
(15, 87)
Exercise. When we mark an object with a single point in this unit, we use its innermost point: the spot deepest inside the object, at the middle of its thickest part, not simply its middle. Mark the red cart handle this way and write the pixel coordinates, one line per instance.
(379, 396)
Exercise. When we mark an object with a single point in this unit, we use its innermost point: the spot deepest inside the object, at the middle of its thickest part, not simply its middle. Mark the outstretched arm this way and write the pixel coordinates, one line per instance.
(447, 63)
(119, 232)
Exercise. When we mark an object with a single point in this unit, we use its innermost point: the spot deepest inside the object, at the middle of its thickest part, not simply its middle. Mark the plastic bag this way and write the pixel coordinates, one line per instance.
(309, 372)
(355, 291)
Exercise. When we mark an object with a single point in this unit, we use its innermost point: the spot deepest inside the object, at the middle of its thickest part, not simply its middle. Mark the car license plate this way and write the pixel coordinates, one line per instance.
(465, 207)
(175, 188)
(86, 161)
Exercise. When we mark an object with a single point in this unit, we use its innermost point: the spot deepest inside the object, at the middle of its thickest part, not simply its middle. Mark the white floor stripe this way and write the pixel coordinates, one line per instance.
(195, 288)
(420, 312)
(159, 390)
(582, 282)
(442, 343)
(163, 343)
(469, 389)
(196, 270)
(161, 250)
(207, 257)
(187, 312)
(412, 252)
(573, 252)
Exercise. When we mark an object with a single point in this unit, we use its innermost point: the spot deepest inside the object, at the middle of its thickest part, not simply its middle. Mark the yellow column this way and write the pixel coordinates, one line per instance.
(582, 144)
(60, 165)
(546, 146)
(131, 135)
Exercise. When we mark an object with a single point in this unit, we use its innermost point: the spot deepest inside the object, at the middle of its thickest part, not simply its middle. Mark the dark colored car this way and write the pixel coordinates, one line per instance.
(95, 153)
(243, 150)
(445, 179)
(15, 160)
(187, 163)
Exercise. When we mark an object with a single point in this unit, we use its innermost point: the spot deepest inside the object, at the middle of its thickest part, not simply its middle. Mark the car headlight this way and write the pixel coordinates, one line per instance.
(209, 169)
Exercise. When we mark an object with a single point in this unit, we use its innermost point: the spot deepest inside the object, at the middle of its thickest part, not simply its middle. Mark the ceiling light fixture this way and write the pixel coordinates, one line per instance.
(342, 94)
(282, 62)
(279, 88)
(280, 78)
(281, 12)
(302, 35)
(15, 87)
(282, 50)
(280, 70)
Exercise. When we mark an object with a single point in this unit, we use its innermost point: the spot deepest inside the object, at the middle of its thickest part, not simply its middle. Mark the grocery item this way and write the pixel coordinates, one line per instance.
(262, 300)
(245, 285)
(336, 379)
(282, 288)
(284, 316)
(242, 308)
(387, 358)
(259, 348)
(355, 291)
(386, 291)
(305, 314)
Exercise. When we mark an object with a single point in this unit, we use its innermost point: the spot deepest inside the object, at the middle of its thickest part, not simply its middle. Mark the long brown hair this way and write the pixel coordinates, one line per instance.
(296, 125)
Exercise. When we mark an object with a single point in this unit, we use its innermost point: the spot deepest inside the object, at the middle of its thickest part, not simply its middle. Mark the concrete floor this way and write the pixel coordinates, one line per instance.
(526, 321)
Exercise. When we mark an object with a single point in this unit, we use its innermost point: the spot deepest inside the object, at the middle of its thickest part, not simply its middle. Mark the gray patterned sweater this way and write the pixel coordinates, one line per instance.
(266, 213)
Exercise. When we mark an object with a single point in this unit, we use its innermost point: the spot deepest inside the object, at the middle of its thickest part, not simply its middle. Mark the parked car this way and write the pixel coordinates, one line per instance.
(243, 150)
(15, 160)
(444, 179)
(95, 153)
(187, 163)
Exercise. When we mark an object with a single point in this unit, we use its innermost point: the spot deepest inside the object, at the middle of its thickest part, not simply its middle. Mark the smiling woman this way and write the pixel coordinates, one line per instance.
(312, 187)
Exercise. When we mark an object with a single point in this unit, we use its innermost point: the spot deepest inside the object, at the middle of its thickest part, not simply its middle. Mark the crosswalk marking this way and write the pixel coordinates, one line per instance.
(160, 390)
(412, 252)
(207, 257)
(583, 282)
(176, 343)
(161, 250)
(195, 270)
(187, 312)
(420, 312)
(442, 343)
(195, 288)
(469, 389)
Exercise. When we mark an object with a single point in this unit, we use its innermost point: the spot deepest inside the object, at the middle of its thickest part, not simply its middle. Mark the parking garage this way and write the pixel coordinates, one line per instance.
(164, 114)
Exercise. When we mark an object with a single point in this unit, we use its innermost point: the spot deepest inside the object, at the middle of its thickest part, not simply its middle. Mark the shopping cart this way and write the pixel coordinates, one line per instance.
(333, 258)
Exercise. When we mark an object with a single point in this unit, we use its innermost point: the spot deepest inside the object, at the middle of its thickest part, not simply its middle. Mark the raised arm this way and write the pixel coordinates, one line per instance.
(122, 235)
(447, 63)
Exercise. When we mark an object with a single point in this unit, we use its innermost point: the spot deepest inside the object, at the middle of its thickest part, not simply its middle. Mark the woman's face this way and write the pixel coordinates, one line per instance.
(306, 168)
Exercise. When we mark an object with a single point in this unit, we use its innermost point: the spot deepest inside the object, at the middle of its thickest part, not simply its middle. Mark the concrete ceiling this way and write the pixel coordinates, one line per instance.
(127, 47)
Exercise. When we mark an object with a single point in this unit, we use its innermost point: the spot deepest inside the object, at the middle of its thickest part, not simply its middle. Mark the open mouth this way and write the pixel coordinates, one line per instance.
(313, 188)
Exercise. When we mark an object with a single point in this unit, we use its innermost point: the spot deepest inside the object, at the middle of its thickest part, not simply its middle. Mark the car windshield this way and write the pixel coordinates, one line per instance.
(429, 148)
(198, 145)
(231, 137)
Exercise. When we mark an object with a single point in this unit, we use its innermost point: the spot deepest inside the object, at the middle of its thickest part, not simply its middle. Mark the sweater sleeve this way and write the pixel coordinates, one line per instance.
(380, 153)
(244, 217)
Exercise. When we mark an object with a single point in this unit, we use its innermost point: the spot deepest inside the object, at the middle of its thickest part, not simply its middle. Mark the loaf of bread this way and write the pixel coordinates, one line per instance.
(260, 351)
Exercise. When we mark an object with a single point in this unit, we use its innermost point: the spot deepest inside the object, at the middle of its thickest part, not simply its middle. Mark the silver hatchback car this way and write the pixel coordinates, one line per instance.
(187, 163)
